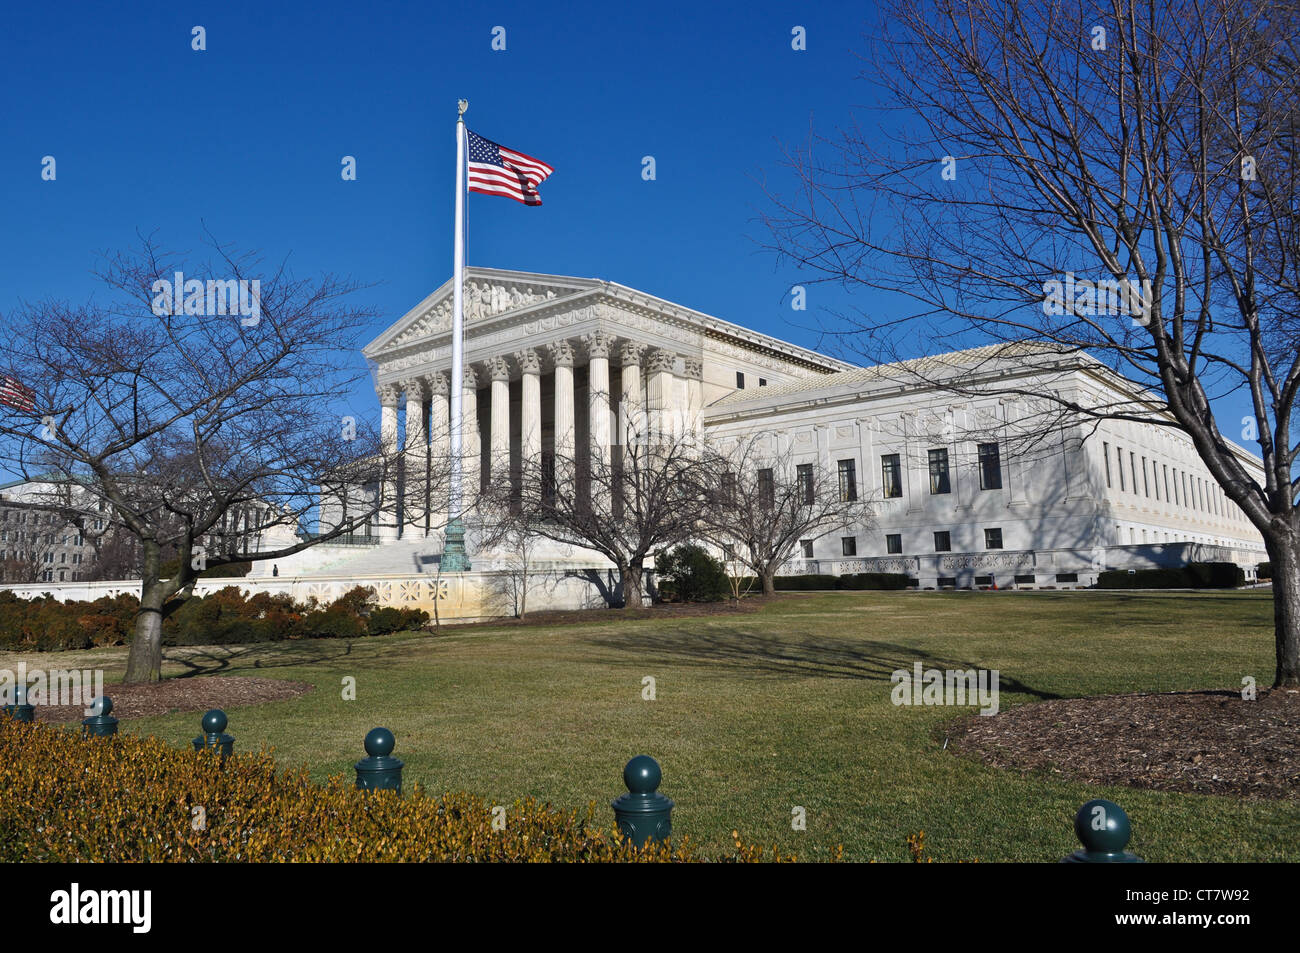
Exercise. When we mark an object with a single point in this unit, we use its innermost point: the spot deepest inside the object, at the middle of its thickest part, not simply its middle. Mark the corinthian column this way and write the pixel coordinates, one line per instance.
(498, 370)
(565, 423)
(470, 442)
(632, 418)
(659, 392)
(439, 447)
(530, 415)
(389, 395)
(598, 345)
(695, 398)
(417, 448)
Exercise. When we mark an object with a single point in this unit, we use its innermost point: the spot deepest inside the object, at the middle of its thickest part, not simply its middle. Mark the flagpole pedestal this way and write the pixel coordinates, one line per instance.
(454, 557)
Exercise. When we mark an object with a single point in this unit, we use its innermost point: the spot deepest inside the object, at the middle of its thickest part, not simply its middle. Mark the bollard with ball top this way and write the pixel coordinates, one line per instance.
(100, 724)
(214, 736)
(1104, 830)
(20, 710)
(379, 770)
(643, 813)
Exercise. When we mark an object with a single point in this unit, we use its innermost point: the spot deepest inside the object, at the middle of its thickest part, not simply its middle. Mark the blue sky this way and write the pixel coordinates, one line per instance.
(247, 137)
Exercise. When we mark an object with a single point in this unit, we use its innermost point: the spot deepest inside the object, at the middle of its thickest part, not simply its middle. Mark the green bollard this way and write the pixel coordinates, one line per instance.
(214, 736)
(20, 710)
(100, 724)
(1104, 830)
(380, 771)
(643, 813)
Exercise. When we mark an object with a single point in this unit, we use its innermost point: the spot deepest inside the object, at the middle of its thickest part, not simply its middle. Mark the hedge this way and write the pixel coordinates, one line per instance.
(127, 799)
(1191, 576)
(225, 617)
(1264, 571)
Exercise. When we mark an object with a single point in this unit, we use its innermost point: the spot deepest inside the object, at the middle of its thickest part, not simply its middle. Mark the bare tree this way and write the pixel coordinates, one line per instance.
(762, 501)
(645, 495)
(1149, 149)
(191, 419)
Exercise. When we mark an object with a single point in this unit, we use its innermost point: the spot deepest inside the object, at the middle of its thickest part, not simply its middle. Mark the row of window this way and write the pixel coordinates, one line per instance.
(18, 554)
(891, 474)
(990, 471)
(894, 542)
(21, 536)
(1180, 488)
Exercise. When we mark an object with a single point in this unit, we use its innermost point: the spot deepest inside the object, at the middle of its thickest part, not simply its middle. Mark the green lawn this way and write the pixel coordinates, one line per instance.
(760, 712)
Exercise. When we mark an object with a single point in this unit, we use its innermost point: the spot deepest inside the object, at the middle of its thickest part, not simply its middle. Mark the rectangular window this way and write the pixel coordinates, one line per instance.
(1155, 477)
(740, 380)
(848, 481)
(894, 543)
(804, 472)
(1105, 455)
(849, 545)
(1133, 468)
(1146, 485)
(806, 545)
(762, 382)
(1067, 577)
(990, 467)
(1177, 496)
(939, 482)
(1119, 458)
(891, 476)
(1165, 468)
(993, 538)
(1026, 579)
(766, 488)
(943, 541)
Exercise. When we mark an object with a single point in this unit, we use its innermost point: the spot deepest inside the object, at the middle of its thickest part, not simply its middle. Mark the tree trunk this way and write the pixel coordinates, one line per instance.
(768, 576)
(144, 661)
(631, 577)
(1285, 556)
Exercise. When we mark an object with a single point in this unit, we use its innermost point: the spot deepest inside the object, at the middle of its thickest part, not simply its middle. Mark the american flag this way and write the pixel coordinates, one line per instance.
(496, 170)
(13, 393)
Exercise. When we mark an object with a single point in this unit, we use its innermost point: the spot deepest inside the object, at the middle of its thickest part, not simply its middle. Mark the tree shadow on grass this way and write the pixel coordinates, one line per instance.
(214, 659)
(751, 653)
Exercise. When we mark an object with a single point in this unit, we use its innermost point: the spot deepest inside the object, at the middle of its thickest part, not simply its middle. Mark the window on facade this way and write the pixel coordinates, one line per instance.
(943, 541)
(804, 473)
(807, 546)
(1105, 456)
(849, 545)
(848, 481)
(766, 488)
(993, 538)
(762, 382)
(1164, 467)
(1146, 485)
(891, 476)
(894, 543)
(1119, 458)
(740, 380)
(939, 482)
(1133, 468)
(990, 467)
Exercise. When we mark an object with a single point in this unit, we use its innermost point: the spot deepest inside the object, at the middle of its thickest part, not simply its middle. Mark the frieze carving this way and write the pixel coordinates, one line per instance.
(661, 360)
(483, 299)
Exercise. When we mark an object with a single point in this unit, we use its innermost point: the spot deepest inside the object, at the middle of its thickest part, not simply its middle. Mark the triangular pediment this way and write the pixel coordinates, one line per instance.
(489, 294)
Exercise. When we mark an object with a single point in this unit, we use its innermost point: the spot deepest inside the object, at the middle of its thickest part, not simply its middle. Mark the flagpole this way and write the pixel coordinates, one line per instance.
(454, 558)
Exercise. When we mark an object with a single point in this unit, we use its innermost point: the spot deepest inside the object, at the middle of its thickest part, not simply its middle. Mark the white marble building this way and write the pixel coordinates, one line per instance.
(961, 495)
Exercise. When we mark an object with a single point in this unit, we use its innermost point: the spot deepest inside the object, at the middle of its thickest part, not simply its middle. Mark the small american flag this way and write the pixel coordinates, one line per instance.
(496, 170)
(13, 393)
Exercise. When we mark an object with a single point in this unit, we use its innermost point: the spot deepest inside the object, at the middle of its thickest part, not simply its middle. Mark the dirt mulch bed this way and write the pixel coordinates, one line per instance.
(1199, 742)
(182, 694)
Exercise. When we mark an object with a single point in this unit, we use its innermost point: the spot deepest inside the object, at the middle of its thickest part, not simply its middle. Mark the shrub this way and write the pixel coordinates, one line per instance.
(1191, 576)
(125, 799)
(390, 619)
(694, 575)
(807, 582)
(874, 580)
(1264, 571)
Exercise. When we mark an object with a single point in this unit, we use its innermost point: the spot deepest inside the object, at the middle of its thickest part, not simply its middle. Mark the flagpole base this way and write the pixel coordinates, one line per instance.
(454, 557)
